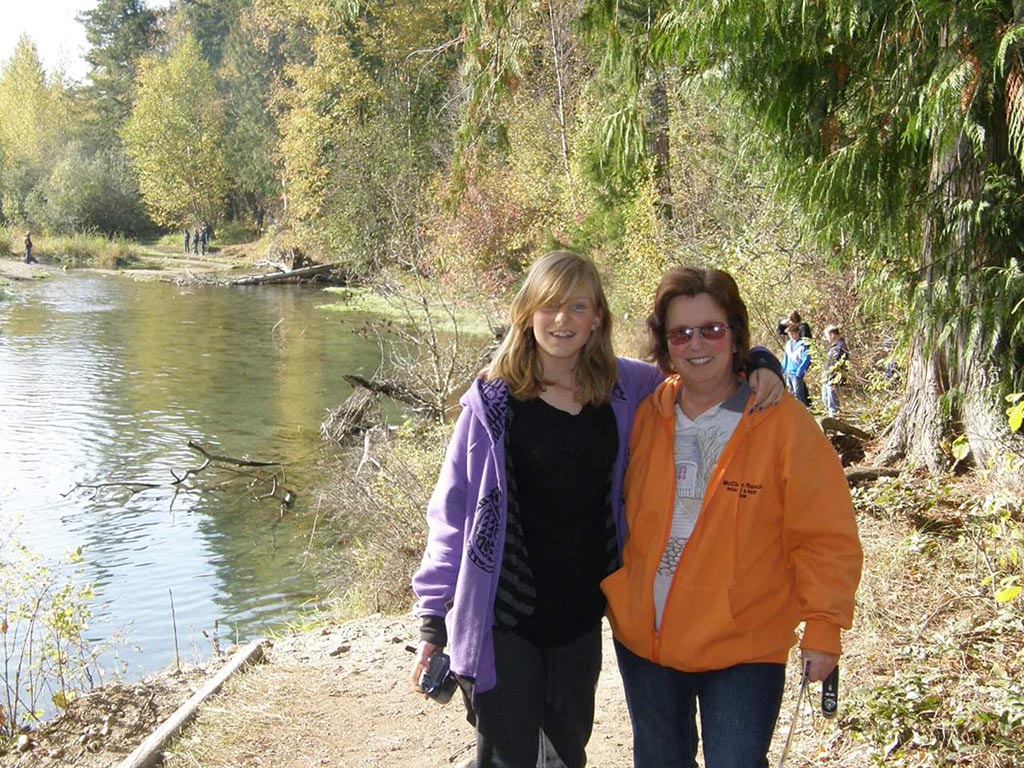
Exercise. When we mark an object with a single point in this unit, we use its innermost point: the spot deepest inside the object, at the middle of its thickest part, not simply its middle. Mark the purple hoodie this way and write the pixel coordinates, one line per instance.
(458, 577)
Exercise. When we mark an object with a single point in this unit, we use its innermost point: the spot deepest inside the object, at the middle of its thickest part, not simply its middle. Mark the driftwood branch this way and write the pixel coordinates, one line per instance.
(240, 467)
(230, 459)
(281, 277)
(391, 389)
(133, 487)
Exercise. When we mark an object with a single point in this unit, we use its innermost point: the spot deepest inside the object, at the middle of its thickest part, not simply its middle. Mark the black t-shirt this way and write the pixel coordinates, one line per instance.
(562, 464)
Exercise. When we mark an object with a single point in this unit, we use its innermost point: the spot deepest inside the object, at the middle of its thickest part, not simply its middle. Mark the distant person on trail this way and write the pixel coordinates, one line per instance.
(795, 362)
(195, 242)
(833, 375)
(794, 317)
(188, 240)
(29, 258)
(204, 237)
(527, 518)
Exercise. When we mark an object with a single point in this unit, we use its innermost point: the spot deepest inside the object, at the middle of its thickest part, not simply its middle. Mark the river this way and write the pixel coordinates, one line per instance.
(104, 379)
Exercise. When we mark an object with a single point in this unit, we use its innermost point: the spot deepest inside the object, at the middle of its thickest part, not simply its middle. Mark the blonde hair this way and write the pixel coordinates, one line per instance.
(554, 279)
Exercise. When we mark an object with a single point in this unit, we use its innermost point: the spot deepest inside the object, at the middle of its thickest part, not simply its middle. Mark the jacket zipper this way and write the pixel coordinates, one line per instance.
(713, 483)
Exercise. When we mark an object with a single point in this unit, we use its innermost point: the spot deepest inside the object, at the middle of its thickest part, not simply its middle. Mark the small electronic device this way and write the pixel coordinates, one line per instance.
(438, 681)
(830, 693)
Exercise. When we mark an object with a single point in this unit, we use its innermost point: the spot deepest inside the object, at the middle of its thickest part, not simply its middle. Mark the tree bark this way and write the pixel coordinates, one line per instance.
(658, 128)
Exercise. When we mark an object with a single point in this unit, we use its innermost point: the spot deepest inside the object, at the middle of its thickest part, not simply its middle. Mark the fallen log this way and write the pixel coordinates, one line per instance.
(832, 424)
(391, 389)
(281, 277)
(150, 752)
(856, 475)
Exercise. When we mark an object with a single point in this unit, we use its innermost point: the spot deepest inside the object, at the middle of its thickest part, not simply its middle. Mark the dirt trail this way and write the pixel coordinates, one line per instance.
(340, 697)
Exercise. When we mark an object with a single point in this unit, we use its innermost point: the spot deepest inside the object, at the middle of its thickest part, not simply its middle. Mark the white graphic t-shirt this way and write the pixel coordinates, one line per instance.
(698, 444)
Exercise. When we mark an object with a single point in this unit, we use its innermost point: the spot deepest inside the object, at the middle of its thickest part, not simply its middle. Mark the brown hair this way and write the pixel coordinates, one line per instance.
(553, 279)
(691, 281)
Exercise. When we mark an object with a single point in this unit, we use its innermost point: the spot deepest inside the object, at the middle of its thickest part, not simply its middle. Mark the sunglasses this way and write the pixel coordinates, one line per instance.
(677, 337)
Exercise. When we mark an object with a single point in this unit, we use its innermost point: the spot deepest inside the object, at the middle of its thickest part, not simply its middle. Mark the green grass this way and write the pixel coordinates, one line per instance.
(78, 249)
(372, 302)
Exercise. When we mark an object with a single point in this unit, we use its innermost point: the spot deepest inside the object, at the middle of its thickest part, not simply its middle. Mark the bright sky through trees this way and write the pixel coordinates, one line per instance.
(59, 37)
(51, 24)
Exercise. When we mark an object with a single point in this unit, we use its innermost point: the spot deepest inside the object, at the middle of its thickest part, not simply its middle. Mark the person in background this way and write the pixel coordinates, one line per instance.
(741, 527)
(833, 375)
(796, 359)
(527, 518)
(188, 239)
(794, 317)
(29, 258)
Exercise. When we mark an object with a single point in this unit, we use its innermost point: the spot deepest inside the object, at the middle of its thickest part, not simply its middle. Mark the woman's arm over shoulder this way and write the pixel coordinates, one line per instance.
(764, 372)
(434, 581)
(639, 378)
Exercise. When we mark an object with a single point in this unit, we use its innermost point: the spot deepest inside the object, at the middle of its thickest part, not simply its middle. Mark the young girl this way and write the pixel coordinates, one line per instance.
(527, 518)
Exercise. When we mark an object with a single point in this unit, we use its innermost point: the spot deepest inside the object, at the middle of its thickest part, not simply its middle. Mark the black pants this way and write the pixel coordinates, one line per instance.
(538, 688)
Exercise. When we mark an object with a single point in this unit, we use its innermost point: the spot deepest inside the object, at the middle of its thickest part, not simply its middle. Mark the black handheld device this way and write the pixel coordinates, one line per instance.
(830, 693)
(438, 681)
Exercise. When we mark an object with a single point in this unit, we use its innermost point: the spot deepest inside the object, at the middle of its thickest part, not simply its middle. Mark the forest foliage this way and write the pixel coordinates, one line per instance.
(860, 161)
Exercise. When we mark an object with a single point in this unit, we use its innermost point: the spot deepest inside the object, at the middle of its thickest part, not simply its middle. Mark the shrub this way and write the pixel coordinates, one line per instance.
(382, 497)
(44, 613)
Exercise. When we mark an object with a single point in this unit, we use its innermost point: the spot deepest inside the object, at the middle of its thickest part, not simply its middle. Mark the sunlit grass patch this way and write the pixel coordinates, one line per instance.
(81, 249)
(402, 307)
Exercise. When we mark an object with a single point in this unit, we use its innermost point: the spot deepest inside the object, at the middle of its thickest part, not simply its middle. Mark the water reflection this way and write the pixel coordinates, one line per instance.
(105, 380)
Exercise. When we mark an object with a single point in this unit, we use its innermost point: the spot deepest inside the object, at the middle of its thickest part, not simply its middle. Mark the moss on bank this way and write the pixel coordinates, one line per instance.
(406, 305)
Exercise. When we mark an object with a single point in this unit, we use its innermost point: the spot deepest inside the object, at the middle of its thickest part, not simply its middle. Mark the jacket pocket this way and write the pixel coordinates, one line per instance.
(696, 627)
(630, 606)
(762, 595)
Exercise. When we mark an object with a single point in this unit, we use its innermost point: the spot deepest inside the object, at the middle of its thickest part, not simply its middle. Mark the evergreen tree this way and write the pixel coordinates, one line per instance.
(119, 33)
(245, 82)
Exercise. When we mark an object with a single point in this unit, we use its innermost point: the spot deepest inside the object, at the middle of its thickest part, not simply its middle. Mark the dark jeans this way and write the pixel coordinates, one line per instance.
(738, 709)
(538, 688)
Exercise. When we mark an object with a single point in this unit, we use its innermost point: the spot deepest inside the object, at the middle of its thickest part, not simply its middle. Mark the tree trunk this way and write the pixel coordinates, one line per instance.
(558, 44)
(953, 367)
(916, 433)
(658, 128)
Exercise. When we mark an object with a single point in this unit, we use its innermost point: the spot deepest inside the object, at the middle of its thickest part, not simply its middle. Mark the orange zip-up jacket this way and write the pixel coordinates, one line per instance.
(775, 543)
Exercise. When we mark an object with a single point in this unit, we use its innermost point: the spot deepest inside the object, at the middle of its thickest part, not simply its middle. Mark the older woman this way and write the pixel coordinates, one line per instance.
(740, 527)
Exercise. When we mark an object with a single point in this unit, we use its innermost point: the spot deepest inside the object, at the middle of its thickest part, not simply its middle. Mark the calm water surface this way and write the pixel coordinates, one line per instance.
(103, 379)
